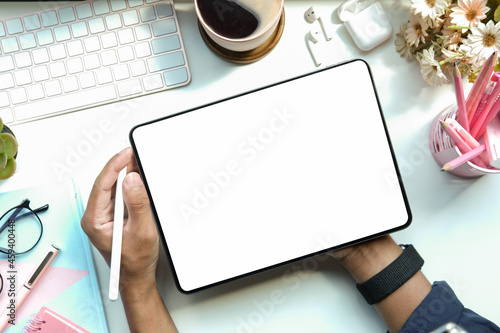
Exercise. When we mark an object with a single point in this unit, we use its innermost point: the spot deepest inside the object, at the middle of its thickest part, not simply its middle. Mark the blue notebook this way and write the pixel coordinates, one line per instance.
(69, 286)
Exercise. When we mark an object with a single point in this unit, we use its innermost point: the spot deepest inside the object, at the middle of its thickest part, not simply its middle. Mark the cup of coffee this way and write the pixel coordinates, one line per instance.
(239, 25)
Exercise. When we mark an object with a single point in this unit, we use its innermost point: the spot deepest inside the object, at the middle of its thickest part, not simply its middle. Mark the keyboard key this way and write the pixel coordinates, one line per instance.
(69, 84)
(57, 52)
(49, 19)
(96, 25)
(44, 37)
(113, 21)
(23, 59)
(142, 32)
(152, 82)
(164, 10)
(142, 50)
(6, 81)
(10, 45)
(27, 41)
(121, 72)
(57, 69)
(22, 77)
(109, 40)
(101, 7)
(87, 80)
(4, 99)
(40, 56)
(104, 76)
(7, 115)
(126, 53)
(109, 58)
(166, 44)
(62, 33)
(53, 88)
(79, 29)
(66, 102)
(14, 26)
(91, 61)
(31, 22)
(6, 64)
(126, 36)
(83, 11)
(164, 27)
(175, 76)
(165, 61)
(147, 13)
(92, 44)
(135, 3)
(18, 96)
(67, 14)
(2, 30)
(40, 73)
(130, 17)
(75, 65)
(35, 92)
(75, 48)
(117, 5)
(152, 1)
(138, 68)
(128, 88)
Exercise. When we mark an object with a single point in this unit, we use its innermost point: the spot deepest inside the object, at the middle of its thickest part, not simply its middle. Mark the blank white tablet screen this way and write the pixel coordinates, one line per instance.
(271, 176)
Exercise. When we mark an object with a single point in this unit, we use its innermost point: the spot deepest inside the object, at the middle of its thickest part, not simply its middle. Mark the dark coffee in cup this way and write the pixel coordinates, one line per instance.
(228, 18)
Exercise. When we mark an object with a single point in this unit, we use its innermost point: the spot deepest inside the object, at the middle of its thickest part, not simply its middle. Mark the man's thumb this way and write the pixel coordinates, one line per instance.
(135, 196)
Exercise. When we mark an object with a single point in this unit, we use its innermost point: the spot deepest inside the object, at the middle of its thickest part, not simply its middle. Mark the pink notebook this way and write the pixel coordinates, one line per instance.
(47, 320)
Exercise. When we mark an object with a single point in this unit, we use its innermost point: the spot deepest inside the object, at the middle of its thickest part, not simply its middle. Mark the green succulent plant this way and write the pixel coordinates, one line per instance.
(8, 152)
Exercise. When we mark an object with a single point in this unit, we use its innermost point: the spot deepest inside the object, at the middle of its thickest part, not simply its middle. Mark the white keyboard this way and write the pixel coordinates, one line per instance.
(87, 54)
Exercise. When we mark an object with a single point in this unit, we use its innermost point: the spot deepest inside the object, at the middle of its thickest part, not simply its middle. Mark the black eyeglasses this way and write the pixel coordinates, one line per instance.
(21, 229)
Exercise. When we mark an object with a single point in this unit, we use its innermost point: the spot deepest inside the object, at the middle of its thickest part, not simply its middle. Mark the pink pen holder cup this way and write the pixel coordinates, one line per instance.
(443, 148)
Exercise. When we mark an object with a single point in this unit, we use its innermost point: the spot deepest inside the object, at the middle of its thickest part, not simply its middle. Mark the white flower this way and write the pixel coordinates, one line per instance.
(429, 8)
(482, 41)
(469, 12)
(402, 46)
(415, 33)
(430, 68)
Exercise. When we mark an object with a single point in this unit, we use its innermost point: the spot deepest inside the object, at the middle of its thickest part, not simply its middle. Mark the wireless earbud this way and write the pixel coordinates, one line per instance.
(315, 43)
(311, 16)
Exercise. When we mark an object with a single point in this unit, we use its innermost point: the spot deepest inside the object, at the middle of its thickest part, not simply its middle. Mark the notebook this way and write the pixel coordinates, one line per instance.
(47, 320)
(69, 286)
(271, 176)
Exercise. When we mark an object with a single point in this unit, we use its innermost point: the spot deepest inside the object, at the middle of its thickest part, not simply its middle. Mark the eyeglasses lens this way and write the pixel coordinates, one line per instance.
(21, 232)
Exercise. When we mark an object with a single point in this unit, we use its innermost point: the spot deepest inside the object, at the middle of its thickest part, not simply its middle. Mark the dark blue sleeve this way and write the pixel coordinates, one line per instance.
(442, 306)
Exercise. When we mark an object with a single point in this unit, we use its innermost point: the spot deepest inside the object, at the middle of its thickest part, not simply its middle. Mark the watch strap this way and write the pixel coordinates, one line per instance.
(387, 281)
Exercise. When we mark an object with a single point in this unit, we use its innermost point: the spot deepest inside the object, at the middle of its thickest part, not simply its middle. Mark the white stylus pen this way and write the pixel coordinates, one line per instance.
(116, 246)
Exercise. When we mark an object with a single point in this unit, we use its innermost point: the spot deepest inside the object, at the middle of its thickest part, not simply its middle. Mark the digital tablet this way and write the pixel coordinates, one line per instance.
(271, 176)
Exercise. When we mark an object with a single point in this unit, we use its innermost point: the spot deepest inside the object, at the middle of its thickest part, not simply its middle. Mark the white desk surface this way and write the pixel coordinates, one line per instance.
(456, 222)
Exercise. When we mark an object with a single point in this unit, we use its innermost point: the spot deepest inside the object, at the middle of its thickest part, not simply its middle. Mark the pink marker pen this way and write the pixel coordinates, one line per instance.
(28, 286)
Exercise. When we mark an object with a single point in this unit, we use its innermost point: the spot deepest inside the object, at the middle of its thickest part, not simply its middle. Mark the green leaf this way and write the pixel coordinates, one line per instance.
(1, 124)
(496, 16)
(10, 144)
(2, 145)
(492, 13)
(3, 160)
(9, 169)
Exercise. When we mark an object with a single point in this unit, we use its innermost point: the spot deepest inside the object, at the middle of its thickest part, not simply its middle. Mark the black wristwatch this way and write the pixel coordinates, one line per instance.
(387, 281)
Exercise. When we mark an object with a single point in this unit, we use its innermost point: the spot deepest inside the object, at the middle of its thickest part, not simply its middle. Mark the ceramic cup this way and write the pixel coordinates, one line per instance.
(239, 25)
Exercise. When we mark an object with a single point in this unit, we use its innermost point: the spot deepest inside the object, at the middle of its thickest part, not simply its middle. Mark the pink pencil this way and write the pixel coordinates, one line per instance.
(478, 123)
(460, 143)
(478, 88)
(463, 158)
(459, 93)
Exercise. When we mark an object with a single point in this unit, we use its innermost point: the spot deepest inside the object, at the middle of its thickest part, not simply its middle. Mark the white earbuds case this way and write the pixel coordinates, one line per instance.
(366, 21)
